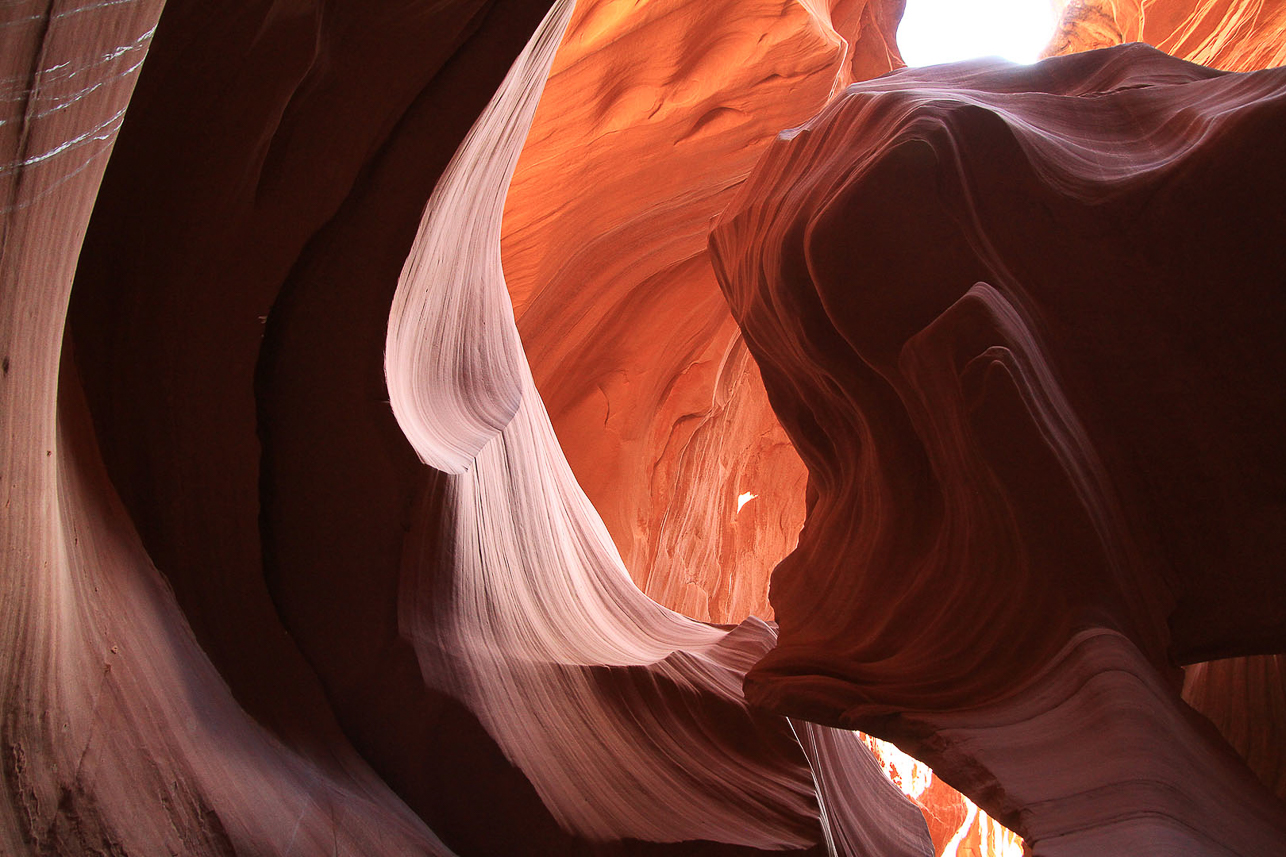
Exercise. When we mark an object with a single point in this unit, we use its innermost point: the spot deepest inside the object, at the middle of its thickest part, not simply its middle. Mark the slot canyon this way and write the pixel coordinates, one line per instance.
(626, 428)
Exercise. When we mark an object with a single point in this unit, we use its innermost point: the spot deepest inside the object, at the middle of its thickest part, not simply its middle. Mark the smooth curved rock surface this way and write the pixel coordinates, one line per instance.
(118, 734)
(293, 560)
(384, 665)
(1245, 698)
(662, 108)
(1001, 451)
(517, 602)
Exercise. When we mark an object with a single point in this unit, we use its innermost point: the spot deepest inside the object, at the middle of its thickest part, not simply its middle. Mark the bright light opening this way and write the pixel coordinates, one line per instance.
(938, 31)
(743, 499)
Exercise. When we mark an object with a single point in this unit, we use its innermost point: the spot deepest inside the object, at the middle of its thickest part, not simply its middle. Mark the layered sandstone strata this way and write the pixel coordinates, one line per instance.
(1054, 468)
(393, 666)
(294, 562)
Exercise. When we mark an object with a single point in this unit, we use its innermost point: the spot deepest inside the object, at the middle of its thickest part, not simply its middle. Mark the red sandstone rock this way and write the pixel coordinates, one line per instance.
(355, 651)
(118, 734)
(654, 113)
(518, 604)
(1246, 700)
(230, 307)
(1234, 35)
(1037, 434)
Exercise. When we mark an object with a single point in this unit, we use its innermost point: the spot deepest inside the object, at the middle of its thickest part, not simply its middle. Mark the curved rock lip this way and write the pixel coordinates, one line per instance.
(1019, 323)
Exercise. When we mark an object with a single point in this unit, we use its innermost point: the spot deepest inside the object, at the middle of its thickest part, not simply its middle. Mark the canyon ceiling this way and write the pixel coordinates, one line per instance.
(632, 427)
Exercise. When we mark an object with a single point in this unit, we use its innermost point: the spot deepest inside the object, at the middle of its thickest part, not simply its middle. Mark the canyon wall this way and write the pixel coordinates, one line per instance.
(119, 736)
(1011, 440)
(294, 562)
(1233, 35)
(662, 109)
(334, 654)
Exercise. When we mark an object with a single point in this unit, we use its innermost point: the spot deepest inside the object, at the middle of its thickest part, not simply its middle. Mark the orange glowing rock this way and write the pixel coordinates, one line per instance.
(652, 116)
(1234, 35)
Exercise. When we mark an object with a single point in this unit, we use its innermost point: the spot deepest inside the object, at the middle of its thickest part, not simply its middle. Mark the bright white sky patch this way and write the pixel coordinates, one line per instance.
(938, 31)
(743, 499)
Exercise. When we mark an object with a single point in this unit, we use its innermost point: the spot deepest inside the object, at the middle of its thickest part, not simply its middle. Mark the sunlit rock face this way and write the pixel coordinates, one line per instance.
(956, 824)
(662, 109)
(1233, 35)
(1055, 470)
(294, 563)
(653, 114)
(292, 383)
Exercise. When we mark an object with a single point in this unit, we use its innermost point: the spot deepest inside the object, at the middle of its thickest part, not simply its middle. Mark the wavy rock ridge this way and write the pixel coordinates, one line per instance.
(996, 448)
(414, 657)
(655, 399)
(294, 563)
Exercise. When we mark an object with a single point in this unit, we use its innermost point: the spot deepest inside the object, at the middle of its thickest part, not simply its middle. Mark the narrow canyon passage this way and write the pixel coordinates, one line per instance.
(514, 427)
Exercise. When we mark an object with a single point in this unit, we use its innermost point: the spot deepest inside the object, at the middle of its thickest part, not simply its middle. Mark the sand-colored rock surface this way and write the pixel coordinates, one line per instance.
(999, 451)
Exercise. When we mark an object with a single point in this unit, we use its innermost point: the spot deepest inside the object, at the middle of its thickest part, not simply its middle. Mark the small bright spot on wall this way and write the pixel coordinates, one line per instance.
(743, 499)
(938, 31)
